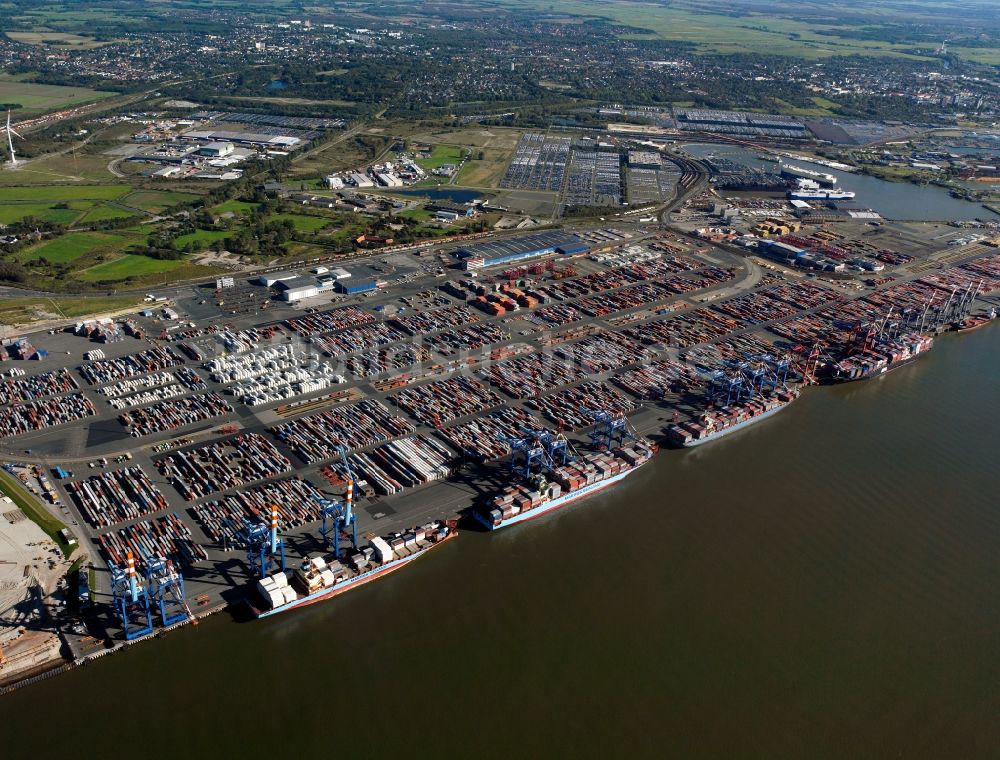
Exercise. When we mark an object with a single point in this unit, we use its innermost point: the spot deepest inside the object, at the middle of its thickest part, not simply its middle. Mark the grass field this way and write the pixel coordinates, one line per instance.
(302, 222)
(822, 107)
(295, 101)
(486, 172)
(46, 97)
(766, 33)
(70, 247)
(477, 137)
(56, 193)
(72, 167)
(57, 39)
(441, 155)
(21, 310)
(101, 212)
(156, 201)
(418, 214)
(236, 207)
(15, 212)
(205, 237)
(129, 265)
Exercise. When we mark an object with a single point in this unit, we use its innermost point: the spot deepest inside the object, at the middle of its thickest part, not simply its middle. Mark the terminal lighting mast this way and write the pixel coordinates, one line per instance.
(131, 601)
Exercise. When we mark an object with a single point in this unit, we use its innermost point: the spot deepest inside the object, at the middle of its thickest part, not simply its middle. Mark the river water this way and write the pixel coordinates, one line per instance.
(893, 200)
(824, 584)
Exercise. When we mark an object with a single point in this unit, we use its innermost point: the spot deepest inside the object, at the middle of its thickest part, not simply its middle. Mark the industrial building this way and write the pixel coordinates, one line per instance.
(644, 159)
(506, 251)
(216, 149)
(279, 142)
(297, 289)
(450, 211)
(273, 278)
(352, 288)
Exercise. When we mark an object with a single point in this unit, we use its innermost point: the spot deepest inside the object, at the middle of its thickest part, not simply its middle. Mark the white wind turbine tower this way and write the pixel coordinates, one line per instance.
(10, 140)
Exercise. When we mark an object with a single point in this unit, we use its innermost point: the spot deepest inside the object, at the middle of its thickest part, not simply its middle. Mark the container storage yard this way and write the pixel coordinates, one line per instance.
(230, 439)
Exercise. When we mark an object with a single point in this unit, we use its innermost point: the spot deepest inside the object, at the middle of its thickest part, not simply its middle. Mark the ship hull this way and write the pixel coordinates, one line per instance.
(739, 426)
(974, 326)
(821, 196)
(557, 503)
(837, 380)
(352, 583)
(797, 172)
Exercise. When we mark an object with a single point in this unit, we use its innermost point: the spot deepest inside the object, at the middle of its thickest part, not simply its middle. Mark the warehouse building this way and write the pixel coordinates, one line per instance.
(499, 252)
(643, 159)
(297, 288)
(353, 288)
(216, 149)
(274, 278)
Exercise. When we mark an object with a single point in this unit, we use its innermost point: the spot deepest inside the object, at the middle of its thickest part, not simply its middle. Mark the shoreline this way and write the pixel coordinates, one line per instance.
(56, 667)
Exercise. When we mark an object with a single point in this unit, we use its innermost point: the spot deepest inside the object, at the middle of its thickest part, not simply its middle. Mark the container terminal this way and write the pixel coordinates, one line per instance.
(197, 447)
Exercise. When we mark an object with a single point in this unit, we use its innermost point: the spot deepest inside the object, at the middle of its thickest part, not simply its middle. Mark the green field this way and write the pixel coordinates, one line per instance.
(156, 201)
(441, 155)
(726, 31)
(55, 193)
(418, 214)
(70, 247)
(129, 265)
(15, 212)
(57, 39)
(485, 172)
(22, 310)
(100, 212)
(76, 168)
(45, 97)
(235, 207)
(205, 237)
(302, 222)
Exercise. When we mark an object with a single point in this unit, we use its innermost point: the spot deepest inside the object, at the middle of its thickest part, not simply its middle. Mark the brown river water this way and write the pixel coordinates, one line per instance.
(824, 584)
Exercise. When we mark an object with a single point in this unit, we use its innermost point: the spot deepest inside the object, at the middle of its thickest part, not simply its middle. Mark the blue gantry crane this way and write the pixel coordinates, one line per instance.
(264, 548)
(338, 516)
(527, 451)
(723, 384)
(612, 429)
(558, 448)
(755, 376)
(166, 588)
(131, 600)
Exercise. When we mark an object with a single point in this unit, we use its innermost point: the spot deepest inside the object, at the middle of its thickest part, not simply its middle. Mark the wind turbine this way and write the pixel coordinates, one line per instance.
(10, 140)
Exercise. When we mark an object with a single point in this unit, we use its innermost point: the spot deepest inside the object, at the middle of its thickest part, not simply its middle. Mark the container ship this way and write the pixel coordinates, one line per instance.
(586, 475)
(798, 172)
(973, 323)
(881, 359)
(711, 426)
(820, 195)
(319, 578)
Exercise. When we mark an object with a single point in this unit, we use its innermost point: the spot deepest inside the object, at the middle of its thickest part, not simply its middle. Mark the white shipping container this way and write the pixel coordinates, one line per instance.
(383, 551)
